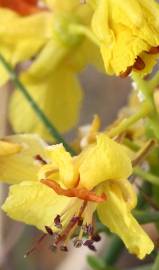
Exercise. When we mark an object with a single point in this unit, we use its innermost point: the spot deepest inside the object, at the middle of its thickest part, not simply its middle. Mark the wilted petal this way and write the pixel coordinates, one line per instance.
(116, 215)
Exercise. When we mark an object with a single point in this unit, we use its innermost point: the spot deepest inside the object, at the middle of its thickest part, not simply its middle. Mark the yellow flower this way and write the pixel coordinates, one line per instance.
(128, 34)
(66, 192)
(59, 54)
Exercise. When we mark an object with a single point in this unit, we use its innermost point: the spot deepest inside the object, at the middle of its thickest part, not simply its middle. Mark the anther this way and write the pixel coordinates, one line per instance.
(125, 73)
(89, 244)
(153, 50)
(77, 243)
(57, 222)
(139, 64)
(40, 159)
(49, 230)
(96, 238)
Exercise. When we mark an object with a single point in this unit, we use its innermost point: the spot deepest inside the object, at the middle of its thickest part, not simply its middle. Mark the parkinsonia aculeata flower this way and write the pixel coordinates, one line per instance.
(59, 194)
(128, 34)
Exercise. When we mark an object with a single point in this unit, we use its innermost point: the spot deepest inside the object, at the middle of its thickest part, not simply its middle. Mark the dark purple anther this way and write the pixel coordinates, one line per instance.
(96, 237)
(49, 230)
(89, 244)
(57, 222)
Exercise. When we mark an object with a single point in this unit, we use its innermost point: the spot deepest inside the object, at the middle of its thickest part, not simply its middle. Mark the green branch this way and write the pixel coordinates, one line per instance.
(40, 114)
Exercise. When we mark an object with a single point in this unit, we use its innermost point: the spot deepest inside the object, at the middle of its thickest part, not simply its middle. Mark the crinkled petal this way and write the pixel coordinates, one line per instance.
(64, 162)
(59, 96)
(103, 161)
(22, 166)
(115, 214)
(125, 31)
(34, 203)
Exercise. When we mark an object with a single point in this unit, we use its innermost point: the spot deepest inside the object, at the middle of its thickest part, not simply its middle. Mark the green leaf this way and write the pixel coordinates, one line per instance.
(98, 264)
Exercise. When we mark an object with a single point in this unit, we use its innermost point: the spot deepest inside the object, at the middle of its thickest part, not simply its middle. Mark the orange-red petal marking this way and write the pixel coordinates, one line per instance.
(81, 193)
(23, 7)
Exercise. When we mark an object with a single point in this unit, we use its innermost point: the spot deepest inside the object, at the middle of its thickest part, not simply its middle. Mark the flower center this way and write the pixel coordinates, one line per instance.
(74, 223)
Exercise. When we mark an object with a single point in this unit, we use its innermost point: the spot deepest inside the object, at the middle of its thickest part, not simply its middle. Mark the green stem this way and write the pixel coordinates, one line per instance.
(42, 117)
(146, 176)
(145, 109)
(146, 88)
(83, 30)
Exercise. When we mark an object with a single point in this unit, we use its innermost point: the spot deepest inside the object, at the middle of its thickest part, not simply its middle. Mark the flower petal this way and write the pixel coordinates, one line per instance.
(64, 162)
(35, 204)
(8, 148)
(59, 96)
(115, 214)
(103, 161)
(26, 36)
(124, 32)
(22, 165)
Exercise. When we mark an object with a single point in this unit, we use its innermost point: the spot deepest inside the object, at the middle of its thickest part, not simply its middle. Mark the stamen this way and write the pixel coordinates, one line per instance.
(77, 243)
(80, 193)
(125, 73)
(29, 252)
(57, 222)
(71, 225)
(89, 244)
(139, 64)
(96, 237)
(40, 159)
(49, 230)
(143, 153)
(153, 50)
